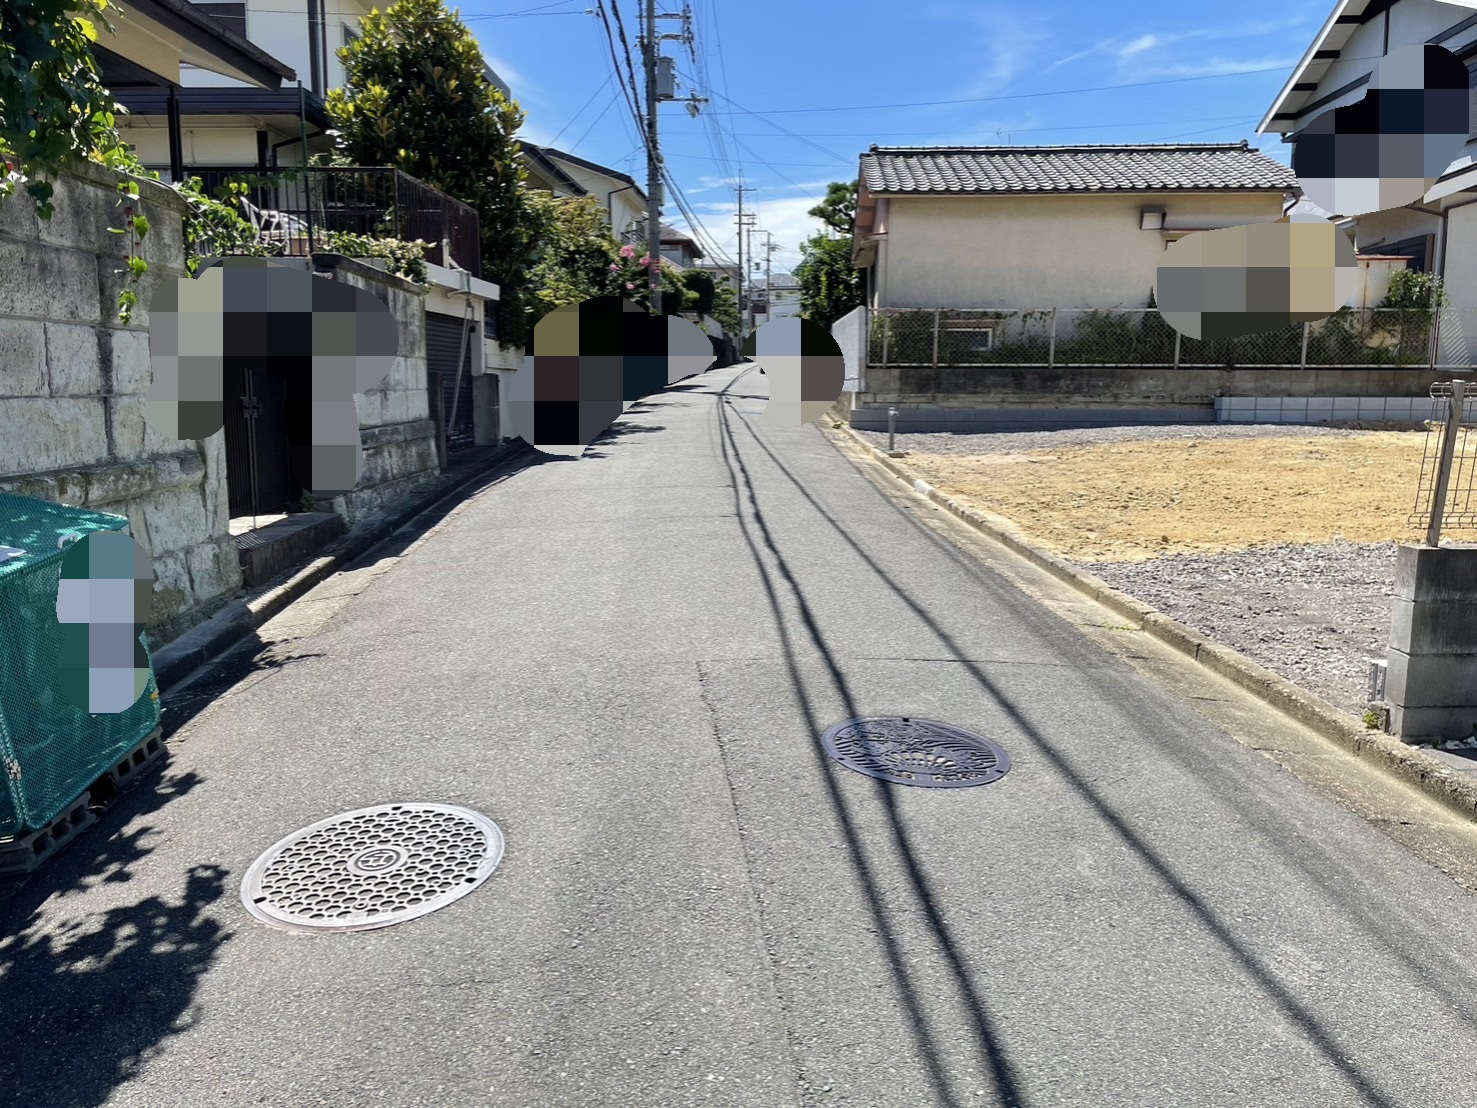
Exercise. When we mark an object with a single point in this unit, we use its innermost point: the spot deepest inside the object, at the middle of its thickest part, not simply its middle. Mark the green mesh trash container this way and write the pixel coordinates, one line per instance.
(50, 750)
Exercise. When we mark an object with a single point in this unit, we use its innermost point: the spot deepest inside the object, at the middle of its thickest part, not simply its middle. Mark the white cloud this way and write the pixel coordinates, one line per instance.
(1139, 45)
(1214, 66)
(784, 218)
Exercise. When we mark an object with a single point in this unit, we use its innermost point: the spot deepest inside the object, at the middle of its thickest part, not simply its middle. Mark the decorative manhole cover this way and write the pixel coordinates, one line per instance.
(372, 867)
(916, 752)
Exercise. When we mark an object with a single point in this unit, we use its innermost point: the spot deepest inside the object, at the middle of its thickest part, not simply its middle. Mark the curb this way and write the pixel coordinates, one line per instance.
(1454, 791)
(239, 618)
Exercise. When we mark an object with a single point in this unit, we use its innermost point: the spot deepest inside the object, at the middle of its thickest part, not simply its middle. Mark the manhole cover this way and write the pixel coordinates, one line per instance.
(372, 867)
(916, 752)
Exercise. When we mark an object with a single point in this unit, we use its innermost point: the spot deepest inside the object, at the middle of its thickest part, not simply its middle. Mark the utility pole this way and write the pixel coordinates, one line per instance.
(743, 274)
(660, 85)
(769, 249)
(745, 221)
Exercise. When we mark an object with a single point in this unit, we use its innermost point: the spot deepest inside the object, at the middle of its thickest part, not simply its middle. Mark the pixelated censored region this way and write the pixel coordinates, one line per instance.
(1390, 147)
(1242, 280)
(589, 362)
(804, 366)
(104, 599)
(323, 339)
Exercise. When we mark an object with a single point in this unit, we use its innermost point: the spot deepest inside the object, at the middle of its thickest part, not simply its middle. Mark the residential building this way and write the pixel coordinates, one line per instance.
(680, 249)
(222, 121)
(779, 298)
(1039, 227)
(1011, 287)
(1439, 233)
(563, 174)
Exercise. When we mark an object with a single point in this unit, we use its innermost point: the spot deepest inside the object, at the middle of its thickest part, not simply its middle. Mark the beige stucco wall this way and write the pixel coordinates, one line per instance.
(73, 381)
(1040, 251)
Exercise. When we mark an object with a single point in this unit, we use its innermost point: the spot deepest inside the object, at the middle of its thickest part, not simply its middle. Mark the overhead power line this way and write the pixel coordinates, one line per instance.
(1033, 95)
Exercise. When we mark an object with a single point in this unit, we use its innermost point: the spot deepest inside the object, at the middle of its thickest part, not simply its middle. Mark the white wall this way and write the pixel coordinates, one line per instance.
(1039, 251)
(280, 27)
(1461, 285)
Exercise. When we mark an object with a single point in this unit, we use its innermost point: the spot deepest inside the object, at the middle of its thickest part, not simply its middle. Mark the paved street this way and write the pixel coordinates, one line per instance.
(627, 661)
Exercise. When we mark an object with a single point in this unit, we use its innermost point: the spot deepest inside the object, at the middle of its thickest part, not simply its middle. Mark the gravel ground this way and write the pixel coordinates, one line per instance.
(1010, 442)
(1313, 613)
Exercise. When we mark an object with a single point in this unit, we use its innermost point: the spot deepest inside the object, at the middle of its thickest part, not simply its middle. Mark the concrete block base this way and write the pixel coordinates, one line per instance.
(1431, 679)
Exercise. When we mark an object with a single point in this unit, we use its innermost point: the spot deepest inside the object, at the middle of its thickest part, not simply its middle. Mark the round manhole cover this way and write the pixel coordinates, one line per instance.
(916, 752)
(372, 867)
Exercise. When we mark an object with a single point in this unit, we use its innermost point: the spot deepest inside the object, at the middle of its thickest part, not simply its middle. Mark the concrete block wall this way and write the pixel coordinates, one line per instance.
(396, 428)
(1326, 409)
(73, 380)
(1431, 666)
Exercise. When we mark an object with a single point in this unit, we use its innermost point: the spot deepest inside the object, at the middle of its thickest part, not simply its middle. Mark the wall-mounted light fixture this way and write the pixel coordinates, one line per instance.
(1151, 219)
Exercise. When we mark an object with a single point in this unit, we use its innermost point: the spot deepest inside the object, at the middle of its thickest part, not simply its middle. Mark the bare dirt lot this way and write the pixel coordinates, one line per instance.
(1277, 540)
(1125, 502)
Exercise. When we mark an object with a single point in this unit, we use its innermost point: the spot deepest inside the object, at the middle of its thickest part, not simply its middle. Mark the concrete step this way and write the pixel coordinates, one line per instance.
(269, 550)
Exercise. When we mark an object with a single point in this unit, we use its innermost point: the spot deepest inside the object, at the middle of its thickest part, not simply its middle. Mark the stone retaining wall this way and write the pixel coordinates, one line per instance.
(73, 381)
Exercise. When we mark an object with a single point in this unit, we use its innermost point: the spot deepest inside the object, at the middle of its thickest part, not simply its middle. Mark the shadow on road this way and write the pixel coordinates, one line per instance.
(997, 1064)
(86, 997)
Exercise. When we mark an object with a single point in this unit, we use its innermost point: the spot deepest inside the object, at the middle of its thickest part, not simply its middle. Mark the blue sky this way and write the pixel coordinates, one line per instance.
(877, 68)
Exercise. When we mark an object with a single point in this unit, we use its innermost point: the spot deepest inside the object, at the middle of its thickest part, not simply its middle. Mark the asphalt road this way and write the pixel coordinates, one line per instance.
(627, 660)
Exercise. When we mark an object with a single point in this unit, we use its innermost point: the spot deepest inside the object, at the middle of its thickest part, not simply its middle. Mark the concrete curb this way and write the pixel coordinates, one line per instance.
(240, 617)
(1454, 791)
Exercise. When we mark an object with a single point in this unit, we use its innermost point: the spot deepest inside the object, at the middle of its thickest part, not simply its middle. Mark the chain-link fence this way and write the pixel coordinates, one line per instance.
(1446, 494)
(1141, 337)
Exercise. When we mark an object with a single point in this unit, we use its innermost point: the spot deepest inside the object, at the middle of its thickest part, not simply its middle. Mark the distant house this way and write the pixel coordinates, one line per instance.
(566, 175)
(680, 249)
(780, 301)
(1438, 234)
(1039, 227)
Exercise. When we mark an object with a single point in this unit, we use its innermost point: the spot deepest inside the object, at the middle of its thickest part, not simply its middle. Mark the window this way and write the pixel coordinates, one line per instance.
(350, 37)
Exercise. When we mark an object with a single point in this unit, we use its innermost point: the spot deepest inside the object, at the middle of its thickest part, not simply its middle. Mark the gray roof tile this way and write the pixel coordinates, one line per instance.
(1130, 168)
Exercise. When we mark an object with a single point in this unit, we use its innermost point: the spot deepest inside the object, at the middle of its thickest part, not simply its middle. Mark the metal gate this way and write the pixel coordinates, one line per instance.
(259, 478)
(443, 341)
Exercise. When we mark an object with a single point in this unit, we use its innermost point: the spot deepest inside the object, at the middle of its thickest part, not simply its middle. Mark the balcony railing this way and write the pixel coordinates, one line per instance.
(1048, 337)
(295, 206)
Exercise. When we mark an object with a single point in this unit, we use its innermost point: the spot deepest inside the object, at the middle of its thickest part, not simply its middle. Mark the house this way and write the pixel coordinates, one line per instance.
(779, 298)
(680, 249)
(224, 122)
(1040, 227)
(563, 174)
(1012, 286)
(1439, 233)
(224, 127)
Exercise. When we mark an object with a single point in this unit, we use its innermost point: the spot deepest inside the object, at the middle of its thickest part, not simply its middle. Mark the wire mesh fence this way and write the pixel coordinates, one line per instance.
(1142, 337)
(1446, 493)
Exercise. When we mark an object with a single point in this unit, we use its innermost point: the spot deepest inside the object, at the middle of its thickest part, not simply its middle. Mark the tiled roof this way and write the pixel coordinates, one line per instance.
(1136, 168)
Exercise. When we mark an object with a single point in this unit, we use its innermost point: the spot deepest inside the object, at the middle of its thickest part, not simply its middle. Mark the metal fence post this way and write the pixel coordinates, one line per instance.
(936, 313)
(1303, 361)
(1051, 345)
(1443, 472)
(1177, 337)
